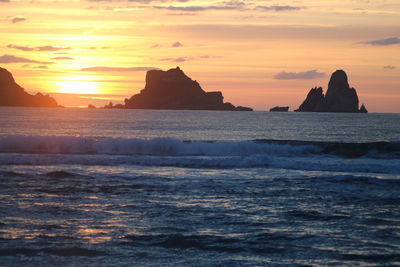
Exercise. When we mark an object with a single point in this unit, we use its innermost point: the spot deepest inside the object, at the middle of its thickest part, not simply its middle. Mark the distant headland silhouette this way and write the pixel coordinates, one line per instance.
(338, 98)
(11, 94)
(172, 89)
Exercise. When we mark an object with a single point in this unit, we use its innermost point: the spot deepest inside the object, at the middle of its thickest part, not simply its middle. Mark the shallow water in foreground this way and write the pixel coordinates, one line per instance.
(147, 216)
(73, 193)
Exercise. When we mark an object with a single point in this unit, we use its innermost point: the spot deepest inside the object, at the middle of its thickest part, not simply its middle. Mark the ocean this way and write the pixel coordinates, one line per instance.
(97, 187)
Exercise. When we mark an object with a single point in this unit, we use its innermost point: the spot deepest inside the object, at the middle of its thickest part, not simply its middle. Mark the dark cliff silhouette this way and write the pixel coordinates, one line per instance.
(339, 97)
(172, 89)
(11, 94)
(279, 109)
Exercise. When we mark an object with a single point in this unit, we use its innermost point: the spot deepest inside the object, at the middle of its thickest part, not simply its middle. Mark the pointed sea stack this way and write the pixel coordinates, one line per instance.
(314, 97)
(363, 109)
(11, 94)
(340, 97)
(172, 89)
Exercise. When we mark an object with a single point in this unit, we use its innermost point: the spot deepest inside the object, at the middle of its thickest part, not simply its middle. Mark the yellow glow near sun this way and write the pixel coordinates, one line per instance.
(79, 84)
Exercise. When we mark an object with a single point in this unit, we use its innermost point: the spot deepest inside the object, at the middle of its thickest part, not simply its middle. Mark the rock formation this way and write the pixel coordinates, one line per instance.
(279, 109)
(363, 109)
(11, 94)
(240, 108)
(313, 99)
(338, 98)
(172, 89)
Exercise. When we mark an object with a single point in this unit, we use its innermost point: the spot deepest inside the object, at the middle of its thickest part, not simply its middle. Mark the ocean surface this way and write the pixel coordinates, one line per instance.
(95, 187)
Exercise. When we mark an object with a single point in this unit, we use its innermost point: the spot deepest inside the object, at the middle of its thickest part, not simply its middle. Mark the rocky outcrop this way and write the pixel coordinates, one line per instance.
(339, 97)
(279, 109)
(11, 94)
(363, 109)
(240, 108)
(172, 89)
(313, 99)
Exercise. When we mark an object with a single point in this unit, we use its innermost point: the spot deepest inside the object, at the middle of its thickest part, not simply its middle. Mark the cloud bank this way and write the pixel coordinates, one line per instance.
(389, 67)
(47, 48)
(280, 8)
(111, 69)
(311, 74)
(384, 42)
(177, 44)
(17, 19)
(13, 59)
(62, 58)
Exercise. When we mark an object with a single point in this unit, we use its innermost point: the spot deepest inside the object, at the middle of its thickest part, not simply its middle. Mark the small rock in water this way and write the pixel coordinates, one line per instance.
(279, 109)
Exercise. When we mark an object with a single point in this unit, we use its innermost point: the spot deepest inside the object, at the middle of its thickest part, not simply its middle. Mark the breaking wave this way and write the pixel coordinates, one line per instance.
(378, 157)
(175, 147)
(151, 147)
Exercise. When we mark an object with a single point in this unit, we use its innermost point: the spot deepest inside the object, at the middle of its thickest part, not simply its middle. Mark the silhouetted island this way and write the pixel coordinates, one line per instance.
(279, 109)
(339, 97)
(172, 89)
(11, 94)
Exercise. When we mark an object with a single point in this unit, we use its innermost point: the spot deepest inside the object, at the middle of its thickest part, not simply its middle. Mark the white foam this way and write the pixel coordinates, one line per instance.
(59, 150)
(306, 163)
(134, 146)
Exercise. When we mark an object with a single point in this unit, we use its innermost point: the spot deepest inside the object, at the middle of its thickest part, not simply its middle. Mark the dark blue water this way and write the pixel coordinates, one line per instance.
(157, 188)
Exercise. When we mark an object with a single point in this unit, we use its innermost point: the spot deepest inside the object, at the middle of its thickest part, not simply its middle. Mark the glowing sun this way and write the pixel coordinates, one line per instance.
(79, 84)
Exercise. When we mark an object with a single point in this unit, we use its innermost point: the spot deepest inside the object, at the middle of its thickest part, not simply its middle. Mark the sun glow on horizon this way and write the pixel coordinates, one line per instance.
(102, 49)
(79, 84)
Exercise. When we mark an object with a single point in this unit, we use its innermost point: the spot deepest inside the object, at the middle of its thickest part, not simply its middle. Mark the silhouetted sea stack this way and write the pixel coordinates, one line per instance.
(172, 89)
(11, 94)
(363, 109)
(279, 109)
(339, 97)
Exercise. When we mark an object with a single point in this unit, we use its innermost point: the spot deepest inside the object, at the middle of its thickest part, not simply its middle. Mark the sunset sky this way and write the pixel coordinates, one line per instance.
(259, 53)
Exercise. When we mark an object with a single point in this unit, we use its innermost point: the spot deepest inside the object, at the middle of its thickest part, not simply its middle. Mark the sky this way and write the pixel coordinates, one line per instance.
(259, 53)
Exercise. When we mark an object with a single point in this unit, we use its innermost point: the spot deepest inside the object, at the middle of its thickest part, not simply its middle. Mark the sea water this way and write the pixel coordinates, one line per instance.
(96, 187)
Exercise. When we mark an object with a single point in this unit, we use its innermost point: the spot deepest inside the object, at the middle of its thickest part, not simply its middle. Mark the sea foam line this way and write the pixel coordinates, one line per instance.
(156, 146)
(306, 162)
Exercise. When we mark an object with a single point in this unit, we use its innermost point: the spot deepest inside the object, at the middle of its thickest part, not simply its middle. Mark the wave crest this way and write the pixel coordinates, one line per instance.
(150, 147)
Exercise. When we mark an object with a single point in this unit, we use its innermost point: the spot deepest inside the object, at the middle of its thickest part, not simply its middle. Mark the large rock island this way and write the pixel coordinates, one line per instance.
(11, 94)
(338, 98)
(172, 89)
